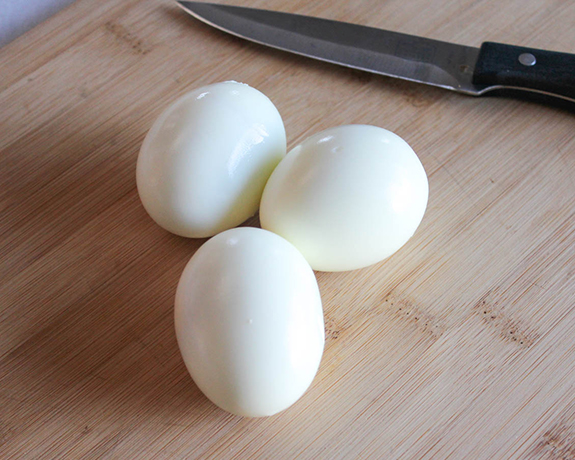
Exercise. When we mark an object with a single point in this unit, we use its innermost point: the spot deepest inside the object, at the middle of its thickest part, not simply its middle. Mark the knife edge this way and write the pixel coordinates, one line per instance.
(465, 69)
(411, 58)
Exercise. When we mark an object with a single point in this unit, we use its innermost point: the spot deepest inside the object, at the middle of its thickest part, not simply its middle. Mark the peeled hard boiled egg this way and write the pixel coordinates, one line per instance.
(346, 197)
(205, 161)
(249, 321)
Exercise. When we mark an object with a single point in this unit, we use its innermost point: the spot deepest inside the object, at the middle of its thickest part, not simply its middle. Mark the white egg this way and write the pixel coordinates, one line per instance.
(205, 161)
(347, 197)
(249, 322)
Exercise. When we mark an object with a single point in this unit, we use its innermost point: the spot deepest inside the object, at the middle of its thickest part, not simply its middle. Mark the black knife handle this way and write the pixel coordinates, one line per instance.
(526, 68)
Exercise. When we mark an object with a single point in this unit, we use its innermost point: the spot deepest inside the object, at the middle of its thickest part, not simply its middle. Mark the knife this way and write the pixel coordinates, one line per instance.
(468, 70)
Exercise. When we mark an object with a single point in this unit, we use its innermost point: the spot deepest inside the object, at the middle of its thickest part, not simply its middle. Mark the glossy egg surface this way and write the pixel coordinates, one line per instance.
(347, 197)
(205, 161)
(249, 322)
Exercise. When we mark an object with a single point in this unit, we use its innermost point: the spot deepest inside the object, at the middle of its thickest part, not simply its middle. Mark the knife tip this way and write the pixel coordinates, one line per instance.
(188, 6)
(196, 9)
(184, 5)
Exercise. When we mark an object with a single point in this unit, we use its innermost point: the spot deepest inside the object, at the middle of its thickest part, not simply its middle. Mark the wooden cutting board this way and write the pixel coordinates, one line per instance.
(460, 346)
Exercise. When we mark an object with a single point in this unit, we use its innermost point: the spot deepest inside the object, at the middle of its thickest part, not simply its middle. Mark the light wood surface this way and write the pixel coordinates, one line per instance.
(460, 346)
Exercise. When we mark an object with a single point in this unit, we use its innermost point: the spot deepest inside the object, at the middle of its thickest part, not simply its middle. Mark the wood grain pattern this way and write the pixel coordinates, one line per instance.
(459, 346)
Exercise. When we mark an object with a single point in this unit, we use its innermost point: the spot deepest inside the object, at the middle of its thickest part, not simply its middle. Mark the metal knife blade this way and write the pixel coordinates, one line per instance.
(465, 69)
(364, 48)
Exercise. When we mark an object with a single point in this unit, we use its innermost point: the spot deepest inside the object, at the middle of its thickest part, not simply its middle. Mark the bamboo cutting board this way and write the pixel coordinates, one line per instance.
(460, 346)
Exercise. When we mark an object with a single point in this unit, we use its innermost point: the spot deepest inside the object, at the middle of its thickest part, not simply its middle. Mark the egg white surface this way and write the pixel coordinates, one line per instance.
(249, 322)
(205, 161)
(347, 197)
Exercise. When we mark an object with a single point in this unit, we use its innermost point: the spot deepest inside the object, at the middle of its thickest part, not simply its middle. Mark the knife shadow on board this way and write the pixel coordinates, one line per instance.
(530, 97)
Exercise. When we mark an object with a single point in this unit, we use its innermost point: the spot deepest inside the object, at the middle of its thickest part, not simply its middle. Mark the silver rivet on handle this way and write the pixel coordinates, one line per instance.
(527, 59)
